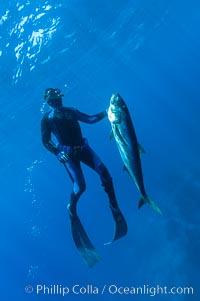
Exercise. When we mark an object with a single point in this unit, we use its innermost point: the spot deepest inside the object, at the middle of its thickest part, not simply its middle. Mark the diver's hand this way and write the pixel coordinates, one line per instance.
(63, 157)
(105, 112)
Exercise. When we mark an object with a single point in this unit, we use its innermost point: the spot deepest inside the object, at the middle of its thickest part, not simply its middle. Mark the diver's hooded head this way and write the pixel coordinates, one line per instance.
(53, 97)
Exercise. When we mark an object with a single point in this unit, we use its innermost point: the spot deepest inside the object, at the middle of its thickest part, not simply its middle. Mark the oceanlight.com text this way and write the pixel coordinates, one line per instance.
(111, 289)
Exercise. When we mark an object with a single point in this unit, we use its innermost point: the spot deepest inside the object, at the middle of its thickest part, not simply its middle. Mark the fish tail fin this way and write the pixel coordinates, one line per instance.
(147, 200)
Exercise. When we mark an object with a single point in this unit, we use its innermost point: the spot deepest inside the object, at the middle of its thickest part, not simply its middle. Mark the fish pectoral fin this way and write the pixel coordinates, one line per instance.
(122, 138)
(141, 149)
(111, 135)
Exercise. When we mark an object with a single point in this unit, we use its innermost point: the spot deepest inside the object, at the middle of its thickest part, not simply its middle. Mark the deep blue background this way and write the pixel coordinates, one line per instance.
(148, 51)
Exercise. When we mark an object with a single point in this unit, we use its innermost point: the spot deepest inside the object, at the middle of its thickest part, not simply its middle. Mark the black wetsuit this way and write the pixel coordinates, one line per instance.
(63, 123)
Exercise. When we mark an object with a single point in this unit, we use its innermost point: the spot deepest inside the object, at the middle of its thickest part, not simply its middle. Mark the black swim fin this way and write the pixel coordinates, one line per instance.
(120, 225)
(83, 243)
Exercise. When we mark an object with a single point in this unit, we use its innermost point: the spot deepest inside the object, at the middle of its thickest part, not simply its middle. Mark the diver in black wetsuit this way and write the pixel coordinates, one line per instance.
(72, 148)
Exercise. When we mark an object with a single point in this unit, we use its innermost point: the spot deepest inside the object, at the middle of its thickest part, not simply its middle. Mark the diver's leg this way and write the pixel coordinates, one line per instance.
(79, 235)
(91, 159)
(79, 186)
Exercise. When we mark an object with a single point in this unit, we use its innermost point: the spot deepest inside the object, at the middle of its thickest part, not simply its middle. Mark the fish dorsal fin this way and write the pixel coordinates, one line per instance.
(141, 149)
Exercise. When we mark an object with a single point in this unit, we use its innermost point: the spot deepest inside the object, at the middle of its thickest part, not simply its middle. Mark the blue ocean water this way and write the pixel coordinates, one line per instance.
(148, 51)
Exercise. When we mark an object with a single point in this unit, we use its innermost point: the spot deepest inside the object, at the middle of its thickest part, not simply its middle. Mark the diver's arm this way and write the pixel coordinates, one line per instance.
(90, 118)
(46, 136)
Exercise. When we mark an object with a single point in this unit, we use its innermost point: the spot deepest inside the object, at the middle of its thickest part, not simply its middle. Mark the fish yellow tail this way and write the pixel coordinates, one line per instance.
(147, 200)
